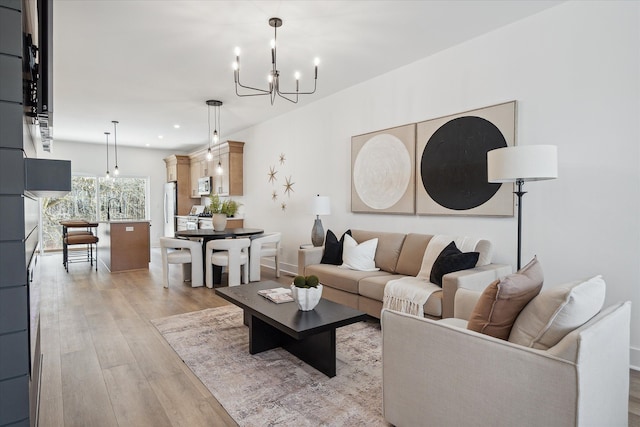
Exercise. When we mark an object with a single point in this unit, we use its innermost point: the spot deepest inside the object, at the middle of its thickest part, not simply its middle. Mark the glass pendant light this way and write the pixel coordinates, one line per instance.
(209, 153)
(116, 172)
(216, 134)
(107, 176)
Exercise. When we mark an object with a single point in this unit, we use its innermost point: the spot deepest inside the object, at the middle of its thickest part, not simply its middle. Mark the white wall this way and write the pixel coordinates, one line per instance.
(574, 72)
(132, 162)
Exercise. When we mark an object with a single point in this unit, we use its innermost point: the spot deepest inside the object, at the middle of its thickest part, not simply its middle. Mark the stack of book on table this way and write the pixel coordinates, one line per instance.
(277, 295)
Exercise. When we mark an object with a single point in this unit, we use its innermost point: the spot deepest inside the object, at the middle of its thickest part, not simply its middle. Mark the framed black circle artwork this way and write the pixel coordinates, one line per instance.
(451, 161)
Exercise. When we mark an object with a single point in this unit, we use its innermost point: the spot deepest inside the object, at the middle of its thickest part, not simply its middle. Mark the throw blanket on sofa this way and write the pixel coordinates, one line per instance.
(409, 294)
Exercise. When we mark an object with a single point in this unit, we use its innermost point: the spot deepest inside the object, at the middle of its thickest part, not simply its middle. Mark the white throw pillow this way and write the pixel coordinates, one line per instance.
(556, 312)
(359, 256)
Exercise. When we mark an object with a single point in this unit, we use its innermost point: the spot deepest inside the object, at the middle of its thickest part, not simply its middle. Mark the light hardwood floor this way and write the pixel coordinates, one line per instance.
(104, 364)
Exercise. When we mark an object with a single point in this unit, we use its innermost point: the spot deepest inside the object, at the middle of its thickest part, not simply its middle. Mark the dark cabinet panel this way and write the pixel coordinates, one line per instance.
(12, 224)
(11, 125)
(10, 70)
(14, 405)
(13, 354)
(11, 171)
(10, 32)
(13, 309)
(13, 268)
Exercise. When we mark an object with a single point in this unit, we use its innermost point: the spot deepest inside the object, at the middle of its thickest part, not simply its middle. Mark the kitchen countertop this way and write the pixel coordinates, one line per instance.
(120, 221)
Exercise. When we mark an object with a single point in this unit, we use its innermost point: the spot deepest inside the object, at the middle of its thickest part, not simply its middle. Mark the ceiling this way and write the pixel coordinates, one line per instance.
(153, 64)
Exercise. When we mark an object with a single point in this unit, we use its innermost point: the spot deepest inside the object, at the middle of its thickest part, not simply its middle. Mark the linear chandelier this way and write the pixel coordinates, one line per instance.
(274, 74)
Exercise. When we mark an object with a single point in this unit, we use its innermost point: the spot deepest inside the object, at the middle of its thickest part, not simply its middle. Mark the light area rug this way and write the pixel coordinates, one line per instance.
(274, 388)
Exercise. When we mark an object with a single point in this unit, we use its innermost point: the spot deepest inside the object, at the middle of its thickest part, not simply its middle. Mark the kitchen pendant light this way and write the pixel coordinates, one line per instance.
(216, 135)
(209, 153)
(116, 172)
(274, 74)
(107, 176)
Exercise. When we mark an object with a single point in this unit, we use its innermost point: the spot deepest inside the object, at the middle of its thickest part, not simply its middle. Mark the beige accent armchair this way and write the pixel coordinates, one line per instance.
(438, 373)
(264, 246)
(189, 255)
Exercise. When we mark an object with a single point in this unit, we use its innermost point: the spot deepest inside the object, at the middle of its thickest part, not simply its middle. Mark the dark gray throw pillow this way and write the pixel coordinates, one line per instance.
(452, 259)
(333, 248)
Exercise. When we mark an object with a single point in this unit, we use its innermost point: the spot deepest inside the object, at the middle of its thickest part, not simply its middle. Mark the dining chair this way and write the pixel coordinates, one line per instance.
(188, 253)
(261, 247)
(230, 253)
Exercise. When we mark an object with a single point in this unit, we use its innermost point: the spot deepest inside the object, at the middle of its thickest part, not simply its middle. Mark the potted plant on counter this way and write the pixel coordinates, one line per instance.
(306, 291)
(220, 210)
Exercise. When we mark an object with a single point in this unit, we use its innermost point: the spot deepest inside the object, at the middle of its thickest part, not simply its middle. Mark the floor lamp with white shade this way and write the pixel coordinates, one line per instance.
(519, 164)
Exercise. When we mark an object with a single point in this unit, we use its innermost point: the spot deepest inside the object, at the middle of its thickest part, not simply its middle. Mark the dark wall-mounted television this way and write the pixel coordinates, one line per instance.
(45, 58)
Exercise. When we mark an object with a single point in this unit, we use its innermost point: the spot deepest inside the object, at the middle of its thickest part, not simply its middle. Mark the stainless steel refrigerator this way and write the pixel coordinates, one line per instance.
(170, 209)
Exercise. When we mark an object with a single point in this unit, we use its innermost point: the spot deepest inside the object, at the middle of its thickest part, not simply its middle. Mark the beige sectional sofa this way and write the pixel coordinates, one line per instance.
(397, 255)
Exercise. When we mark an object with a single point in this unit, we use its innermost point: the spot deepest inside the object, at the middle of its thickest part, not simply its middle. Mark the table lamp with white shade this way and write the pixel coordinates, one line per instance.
(321, 205)
(519, 164)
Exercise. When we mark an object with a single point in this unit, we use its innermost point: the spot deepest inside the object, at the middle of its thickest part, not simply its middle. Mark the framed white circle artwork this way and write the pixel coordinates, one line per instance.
(382, 171)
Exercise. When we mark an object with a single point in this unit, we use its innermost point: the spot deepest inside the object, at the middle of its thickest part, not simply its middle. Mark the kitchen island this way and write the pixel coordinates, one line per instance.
(124, 245)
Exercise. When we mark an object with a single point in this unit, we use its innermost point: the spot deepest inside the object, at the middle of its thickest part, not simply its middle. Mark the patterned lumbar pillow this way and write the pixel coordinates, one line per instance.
(333, 248)
(556, 312)
(359, 256)
(452, 259)
(501, 302)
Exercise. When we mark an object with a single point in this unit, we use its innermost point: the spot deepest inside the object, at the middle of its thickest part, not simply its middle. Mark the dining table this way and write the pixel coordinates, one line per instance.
(205, 235)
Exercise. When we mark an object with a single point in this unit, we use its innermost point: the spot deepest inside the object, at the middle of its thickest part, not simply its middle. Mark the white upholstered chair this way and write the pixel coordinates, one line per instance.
(263, 246)
(475, 379)
(230, 253)
(189, 254)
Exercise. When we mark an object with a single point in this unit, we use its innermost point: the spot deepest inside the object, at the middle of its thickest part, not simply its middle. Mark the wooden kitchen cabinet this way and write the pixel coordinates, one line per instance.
(231, 182)
(181, 223)
(200, 168)
(125, 245)
(231, 155)
(195, 174)
(207, 224)
(179, 171)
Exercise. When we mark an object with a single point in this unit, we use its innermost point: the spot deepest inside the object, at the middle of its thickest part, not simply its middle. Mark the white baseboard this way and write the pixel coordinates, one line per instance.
(634, 358)
(286, 269)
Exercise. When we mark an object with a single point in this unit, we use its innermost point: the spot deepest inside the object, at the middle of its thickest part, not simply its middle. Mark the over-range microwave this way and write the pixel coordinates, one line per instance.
(204, 186)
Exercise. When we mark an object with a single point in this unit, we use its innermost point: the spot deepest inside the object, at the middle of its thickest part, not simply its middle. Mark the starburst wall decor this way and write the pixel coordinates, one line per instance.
(272, 174)
(287, 187)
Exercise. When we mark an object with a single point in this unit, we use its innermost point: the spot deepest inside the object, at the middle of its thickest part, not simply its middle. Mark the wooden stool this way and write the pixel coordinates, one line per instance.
(75, 224)
(81, 239)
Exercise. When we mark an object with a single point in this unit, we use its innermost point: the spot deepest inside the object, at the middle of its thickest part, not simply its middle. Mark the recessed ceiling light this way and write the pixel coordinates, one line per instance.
(160, 136)
(146, 145)
(176, 126)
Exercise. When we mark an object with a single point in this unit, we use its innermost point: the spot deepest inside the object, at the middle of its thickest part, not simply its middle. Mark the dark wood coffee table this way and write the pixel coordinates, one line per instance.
(309, 335)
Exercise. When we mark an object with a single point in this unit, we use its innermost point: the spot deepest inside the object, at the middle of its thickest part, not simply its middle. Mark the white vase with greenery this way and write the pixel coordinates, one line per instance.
(221, 210)
(306, 291)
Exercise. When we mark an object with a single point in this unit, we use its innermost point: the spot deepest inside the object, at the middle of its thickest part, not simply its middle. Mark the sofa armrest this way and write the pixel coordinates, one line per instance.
(475, 279)
(465, 302)
(442, 375)
(309, 256)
